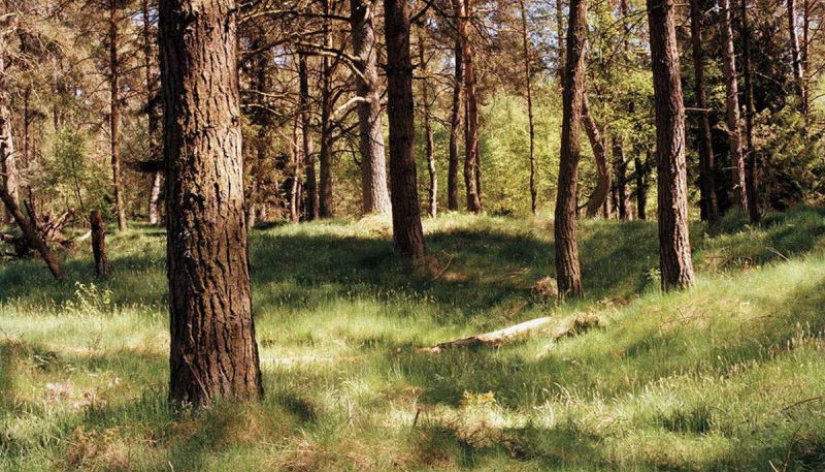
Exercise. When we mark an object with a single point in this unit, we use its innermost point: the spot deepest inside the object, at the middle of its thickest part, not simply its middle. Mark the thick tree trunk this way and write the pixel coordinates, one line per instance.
(213, 353)
(568, 270)
(471, 119)
(99, 244)
(432, 196)
(675, 255)
(737, 158)
(600, 194)
(408, 234)
(455, 127)
(114, 112)
(375, 194)
(312, 203)
(326, 205)
(707, 182)
(751, 179)
(528, 78)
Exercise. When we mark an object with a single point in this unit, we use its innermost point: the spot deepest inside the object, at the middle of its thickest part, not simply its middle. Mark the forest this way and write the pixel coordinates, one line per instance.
(487, 235)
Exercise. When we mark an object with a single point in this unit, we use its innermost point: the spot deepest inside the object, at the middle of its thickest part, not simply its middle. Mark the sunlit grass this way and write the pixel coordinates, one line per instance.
(727, 376)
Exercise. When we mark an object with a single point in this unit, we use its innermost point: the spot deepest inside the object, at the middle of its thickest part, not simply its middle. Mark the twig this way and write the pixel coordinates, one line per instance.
(778, 253)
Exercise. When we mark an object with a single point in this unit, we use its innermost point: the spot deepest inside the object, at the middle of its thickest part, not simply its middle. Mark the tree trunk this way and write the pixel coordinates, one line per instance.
(375, 195)
(528, 78)
(114, 113)
(312, 204)
(8, 162)
(796, 62)
(568, 271)
(620, 162)
(153, 118)
(408, 235)
(600, 194)
(751, 179)
(213, 353)
(297, 158)
(432, 197)
(642, 169)
(674, 252)
(30, 233)
(471, 122)
(455, 127)
(560, 42)
(707, 185)
(737, 159)
(99, 244)
(326, 208)
(154, 198)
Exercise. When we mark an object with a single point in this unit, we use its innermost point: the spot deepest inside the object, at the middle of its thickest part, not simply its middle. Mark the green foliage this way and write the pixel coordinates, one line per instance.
(505, 150)
(70, 178)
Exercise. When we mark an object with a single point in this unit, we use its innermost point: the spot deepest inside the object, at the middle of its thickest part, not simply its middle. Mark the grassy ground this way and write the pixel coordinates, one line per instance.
(728, 376)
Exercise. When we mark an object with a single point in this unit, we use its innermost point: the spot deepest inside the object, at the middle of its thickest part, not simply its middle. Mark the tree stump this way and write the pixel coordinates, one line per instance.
(99, 244)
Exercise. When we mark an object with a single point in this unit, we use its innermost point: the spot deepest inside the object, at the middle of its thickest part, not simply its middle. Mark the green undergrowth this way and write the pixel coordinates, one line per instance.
(725, 377)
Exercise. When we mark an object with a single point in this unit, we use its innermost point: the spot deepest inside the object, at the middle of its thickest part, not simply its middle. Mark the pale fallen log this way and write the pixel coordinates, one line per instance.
(569, 326)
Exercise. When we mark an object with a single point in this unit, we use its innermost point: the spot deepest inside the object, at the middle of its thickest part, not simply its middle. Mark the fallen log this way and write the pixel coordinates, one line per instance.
(569, 326)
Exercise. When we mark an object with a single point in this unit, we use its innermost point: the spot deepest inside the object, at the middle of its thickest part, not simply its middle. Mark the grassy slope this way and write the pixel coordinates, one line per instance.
(712, 379)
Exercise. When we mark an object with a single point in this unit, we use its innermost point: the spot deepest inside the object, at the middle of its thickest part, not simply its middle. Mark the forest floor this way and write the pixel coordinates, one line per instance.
(728, 376)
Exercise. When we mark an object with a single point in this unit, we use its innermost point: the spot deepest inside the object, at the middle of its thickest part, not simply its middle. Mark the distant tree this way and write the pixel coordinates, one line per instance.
(213, 353)
(707, 182)
(674, 241)
(737, 156)
(375, 194)
(568, 270)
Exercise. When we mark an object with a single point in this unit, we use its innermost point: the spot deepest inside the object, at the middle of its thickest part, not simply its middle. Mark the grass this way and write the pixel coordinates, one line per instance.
(726, 377)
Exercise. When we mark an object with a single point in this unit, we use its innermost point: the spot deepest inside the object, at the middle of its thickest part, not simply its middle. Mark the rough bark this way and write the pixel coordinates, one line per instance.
(375, 194)
(312, 204)
(99, 244)
(737, 157)
(455, 127)
(568, 271)
(528, 78)
(471, 117)
(600, 194)
(432, 195)
(213, 353)
(674, 242)
(751, 179)
(114, 112)
(408, 234)
(707, 182)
